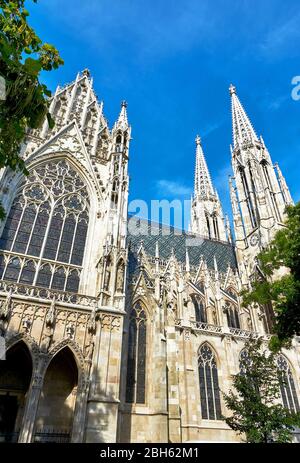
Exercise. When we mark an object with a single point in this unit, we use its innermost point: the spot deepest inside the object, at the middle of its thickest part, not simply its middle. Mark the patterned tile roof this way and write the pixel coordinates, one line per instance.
(170, 238)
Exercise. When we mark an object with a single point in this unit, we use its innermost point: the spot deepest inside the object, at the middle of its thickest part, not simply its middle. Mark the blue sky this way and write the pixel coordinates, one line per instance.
(173, 62)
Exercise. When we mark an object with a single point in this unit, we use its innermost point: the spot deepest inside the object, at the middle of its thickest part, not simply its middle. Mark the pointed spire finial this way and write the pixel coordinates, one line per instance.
(122, 121)
(156, 250)
(187, 260)
(198, 140)
(232, 89)
(216, 268)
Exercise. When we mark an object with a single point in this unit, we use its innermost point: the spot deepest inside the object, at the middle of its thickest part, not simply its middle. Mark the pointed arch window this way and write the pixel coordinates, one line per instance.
(118, 143)
(232, 293)
(200, 310)
(265, 168)
(208, 224)
(209, 384)
(136, 358)
(232, 315)
(288, 390)
(13, 269)
(250, 205)
(48, 221)
(216, 226)
(28, 272)
(268, 318)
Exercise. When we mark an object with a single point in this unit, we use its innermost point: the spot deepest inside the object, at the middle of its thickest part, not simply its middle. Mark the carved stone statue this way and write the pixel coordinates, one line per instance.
(120, 278)
(5, 307)
(214, 316)
(89, 349)
(106, 279)
(47, 338)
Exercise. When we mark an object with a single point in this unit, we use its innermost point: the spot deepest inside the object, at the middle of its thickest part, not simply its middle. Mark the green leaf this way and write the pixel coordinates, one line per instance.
(33, 66)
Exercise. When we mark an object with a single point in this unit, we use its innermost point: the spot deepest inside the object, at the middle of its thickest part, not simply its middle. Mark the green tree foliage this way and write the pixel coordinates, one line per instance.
(283, 292)
(255, 401)
(22, 58)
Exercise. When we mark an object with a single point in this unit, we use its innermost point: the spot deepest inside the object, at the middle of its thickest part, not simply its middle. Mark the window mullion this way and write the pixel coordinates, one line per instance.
(19, 225)
(213, 390)
(47, 232)
(5, 267)
(291, 391)
(39, 260)
(60, 236)
(206, 394)
(53, 270)
(73, 240)
(22, 265)
(67, 272)
(136, 358)
(31, 233)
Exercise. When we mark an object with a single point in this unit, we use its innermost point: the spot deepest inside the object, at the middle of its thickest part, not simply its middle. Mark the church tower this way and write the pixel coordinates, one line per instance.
(64, 243)
(113, 263)
(259, 193)
(207, 216)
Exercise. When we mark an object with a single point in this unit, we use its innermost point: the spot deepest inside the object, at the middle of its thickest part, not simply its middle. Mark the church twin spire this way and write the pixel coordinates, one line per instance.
(259, 194)
(206, 216)
(203, 184)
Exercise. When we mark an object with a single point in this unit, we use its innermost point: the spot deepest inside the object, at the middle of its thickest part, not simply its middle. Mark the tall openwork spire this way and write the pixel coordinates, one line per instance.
(243, 130)
(203, 183)
(206, 213)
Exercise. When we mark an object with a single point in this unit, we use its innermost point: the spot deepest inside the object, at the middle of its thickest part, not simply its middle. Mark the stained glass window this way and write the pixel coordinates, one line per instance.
(200, 311)
(48, 221)
(136, 358)
(209, 384)
(232, 314)
(288, 389)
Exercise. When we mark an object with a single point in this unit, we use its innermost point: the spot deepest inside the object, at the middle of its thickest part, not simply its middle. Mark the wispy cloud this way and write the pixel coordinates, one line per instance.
(277, 102)
(172, 188)
(149, 28)
(279, 40)
(210, 128)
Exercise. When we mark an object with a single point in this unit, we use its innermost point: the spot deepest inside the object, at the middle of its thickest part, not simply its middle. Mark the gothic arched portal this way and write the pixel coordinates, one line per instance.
(15, 377)
(54, 420)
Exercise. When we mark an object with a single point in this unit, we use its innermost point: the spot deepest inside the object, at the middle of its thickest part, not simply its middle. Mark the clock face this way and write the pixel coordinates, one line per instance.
(254, 240)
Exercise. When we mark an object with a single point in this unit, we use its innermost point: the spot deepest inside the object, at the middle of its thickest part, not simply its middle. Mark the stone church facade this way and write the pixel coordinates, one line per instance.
(118, 329)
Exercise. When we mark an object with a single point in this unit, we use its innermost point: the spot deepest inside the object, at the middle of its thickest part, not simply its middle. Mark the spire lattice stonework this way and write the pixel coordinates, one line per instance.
(243, 130)
(206, 213)
(203, 183)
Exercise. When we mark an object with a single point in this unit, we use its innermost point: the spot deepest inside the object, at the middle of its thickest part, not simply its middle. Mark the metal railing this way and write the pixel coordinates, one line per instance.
(43, 436)
(9, 437)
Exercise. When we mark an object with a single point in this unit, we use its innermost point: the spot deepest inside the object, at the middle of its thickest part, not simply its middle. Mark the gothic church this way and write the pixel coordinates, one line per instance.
(114, 336)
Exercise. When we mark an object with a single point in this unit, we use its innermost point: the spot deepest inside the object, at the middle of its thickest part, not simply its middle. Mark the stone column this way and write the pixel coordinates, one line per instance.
(103, 399)
(80, 412)
(174, 427)
(32, 402)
